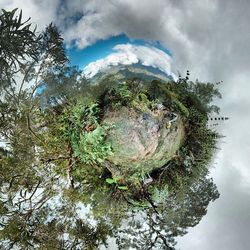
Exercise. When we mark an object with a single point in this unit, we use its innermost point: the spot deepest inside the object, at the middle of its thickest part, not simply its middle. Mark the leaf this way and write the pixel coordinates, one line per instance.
(110, 181)
(123, 187)
(116, 179)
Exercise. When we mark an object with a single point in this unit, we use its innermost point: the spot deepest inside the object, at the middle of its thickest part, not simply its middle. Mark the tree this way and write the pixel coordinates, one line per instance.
(150, 229)
(17, 42)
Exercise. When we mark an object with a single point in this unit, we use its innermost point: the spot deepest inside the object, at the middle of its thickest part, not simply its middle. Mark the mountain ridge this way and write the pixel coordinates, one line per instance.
(123, 72)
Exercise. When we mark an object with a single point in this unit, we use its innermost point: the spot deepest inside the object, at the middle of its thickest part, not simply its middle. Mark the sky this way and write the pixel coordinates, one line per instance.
(104, 47)
(211, 39)
(118, 50)
(129, 54)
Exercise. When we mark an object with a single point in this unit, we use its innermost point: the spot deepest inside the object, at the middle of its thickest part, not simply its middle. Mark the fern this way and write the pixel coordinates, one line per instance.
(79, 125)
(92, 147)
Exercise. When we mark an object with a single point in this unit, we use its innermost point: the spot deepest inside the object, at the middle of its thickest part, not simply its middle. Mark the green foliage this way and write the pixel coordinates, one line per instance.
(193, 102)
(143, 98)
(63, 85)
(17, 41)
(122, 187)
(181, 107)
(118, 96)
(159, 195)
(168, 96)
(139, 205)
(115, 181)
(112, 180)
(80, 126)
(52, 44)
(184, 94)
(136, 178)
(27, 54)
(90, 147)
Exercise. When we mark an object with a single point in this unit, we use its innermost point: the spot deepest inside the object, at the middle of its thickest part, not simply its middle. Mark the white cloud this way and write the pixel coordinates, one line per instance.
(128, 54)
(41, 12)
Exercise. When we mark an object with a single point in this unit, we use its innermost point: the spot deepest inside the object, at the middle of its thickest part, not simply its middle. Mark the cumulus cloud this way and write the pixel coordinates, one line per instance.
(41, 12)
(127, 54)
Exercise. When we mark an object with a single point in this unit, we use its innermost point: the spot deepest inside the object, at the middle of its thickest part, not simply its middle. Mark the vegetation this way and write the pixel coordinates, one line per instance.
(79, 126)
(54, 153)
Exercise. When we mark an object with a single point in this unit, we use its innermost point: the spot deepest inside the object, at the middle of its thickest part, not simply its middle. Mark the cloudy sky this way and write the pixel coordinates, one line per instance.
(128, 54)
(210, 38)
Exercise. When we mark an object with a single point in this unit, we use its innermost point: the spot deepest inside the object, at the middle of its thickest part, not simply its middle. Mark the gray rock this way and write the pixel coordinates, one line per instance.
(142, 141)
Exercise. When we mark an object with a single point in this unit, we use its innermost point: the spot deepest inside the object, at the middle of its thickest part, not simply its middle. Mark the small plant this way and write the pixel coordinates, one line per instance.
(159, 195)
(80, 126)
(91, 147)
(114, 181)
(119, 96)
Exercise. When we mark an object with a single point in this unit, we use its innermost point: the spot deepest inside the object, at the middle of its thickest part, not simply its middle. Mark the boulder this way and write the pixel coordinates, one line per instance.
(142, 141)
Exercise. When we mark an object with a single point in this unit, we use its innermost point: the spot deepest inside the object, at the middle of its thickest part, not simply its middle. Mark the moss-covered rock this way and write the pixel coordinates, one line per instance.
(142, 141)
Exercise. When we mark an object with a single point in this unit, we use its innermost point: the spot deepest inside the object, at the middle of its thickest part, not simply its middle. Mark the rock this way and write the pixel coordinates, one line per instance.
(141, 141)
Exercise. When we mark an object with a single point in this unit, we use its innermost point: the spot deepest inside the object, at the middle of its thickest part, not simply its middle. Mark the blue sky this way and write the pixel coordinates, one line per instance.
(102, 48)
